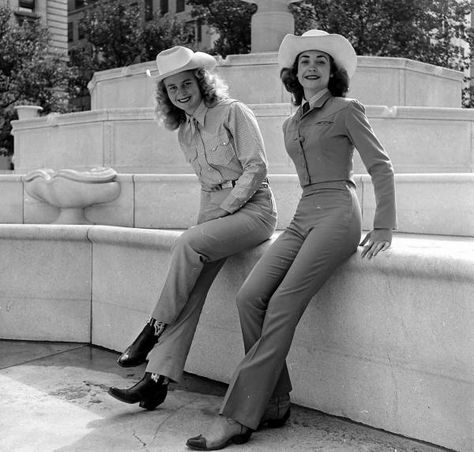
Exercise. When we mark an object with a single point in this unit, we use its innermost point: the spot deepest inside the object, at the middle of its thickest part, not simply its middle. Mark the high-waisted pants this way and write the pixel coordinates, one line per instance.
(198, 255)
(324, 232)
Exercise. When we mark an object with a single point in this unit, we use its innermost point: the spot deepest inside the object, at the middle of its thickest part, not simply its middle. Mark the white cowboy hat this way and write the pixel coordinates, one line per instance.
(178, 59)
(335, 45)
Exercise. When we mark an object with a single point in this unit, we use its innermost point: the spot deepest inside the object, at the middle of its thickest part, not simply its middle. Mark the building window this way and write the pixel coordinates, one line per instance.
(180, 4)
(23, 15)
(199, 30)
(70, 31)
(164, 7)
(27, 4)
(81, 34)
(190, 30)
(148, 9)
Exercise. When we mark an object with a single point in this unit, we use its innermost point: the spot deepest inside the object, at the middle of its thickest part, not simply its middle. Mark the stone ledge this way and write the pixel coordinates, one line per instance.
(131, 141)
(144, 202)
(386, 342)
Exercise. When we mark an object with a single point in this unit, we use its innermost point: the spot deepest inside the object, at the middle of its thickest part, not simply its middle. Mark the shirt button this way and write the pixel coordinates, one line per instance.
(301, 139)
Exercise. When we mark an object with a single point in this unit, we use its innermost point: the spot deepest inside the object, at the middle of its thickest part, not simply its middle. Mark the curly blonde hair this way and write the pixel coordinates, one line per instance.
(212, 88)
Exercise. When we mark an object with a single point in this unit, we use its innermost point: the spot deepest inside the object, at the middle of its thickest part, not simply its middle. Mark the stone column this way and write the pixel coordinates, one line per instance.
(270, 24)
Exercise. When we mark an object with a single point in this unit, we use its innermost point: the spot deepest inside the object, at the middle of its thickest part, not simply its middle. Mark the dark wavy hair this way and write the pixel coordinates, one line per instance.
(212, 88)
(338, 84)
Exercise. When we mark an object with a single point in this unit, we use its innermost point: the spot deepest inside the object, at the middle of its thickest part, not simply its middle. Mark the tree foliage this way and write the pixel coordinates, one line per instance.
(29, 72)
(423, 30)
(117, 36)
(230, 19)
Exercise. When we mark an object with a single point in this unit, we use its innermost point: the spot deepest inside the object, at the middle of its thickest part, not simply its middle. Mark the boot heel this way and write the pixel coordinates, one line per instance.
(242, 438)
(152, 402)
(149, 405)
(277, 423)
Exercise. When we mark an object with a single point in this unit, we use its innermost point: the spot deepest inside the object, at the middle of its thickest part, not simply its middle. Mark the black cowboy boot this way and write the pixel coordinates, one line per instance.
(277, 412)
(136, 353)
(150, 391)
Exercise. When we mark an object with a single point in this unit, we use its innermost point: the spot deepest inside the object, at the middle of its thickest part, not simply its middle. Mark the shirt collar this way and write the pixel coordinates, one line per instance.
(313, 100)
(199, 114)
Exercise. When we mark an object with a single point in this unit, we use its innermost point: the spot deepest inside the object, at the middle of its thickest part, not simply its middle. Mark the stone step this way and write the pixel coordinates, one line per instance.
(386, 342)
(427, 203)
(418, 139)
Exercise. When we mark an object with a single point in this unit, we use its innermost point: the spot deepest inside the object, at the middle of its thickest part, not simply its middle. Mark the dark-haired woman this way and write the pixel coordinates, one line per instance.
(221, 139)
(326, 228)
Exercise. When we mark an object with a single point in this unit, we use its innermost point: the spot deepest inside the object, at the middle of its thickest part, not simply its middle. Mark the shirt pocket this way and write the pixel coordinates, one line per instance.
(220, 151)
(326, 123)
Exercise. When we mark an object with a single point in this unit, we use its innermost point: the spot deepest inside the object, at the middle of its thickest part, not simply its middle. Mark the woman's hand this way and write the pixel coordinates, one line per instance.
(214, 215)
(375, 241)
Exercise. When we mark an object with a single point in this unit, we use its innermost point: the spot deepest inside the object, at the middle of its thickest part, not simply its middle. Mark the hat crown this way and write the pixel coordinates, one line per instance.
(335, 45)
(172, 59)
(315, 33)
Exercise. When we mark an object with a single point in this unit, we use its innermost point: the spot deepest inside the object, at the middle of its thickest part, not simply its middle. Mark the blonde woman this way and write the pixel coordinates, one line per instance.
(221, 140)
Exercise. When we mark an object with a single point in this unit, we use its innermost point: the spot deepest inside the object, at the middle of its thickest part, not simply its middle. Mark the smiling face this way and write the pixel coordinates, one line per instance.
(314, 70)
(183, 91)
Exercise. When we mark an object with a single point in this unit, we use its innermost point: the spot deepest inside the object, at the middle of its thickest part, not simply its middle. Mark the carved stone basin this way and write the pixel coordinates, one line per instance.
(72, 191)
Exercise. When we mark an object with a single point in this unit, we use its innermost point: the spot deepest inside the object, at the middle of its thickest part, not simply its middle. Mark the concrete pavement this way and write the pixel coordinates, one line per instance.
(54, 398)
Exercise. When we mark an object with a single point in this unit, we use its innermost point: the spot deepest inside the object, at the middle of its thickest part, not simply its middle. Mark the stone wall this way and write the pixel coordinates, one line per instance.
(386, 342)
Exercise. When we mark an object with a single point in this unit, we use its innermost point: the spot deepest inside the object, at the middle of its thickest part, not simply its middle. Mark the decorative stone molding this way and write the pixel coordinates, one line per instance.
(72, 191)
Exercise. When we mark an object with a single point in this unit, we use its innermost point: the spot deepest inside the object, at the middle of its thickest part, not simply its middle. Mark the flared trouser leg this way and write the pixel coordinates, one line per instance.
(275, 296)
(169, 354)
(209, 242)
(197, 257)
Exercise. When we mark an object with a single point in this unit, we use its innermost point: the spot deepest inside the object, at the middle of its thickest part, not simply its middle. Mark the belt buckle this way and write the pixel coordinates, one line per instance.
(227, 184)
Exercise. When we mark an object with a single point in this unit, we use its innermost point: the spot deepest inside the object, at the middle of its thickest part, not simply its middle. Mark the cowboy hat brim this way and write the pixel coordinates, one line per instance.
(197, 60)
(335, 45)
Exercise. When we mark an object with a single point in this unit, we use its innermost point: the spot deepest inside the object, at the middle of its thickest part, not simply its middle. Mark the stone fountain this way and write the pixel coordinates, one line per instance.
(396, 352)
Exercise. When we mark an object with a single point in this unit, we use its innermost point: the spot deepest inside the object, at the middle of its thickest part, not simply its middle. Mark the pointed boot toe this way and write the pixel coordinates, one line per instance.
(197, 443)
(124, 395)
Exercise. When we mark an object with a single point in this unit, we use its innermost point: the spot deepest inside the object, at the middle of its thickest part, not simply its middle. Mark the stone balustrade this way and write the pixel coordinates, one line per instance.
(436, 204)
(386, 342)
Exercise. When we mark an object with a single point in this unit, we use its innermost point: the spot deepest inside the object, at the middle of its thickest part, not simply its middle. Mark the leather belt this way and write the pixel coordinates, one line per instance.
(231, 184)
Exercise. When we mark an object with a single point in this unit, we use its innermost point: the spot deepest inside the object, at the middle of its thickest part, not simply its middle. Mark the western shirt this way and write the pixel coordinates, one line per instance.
(224, 143)
(321, 144)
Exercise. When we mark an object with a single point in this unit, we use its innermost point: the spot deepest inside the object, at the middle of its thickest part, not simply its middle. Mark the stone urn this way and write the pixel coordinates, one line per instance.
(270, 24)
(28, 111)
(72, 191)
